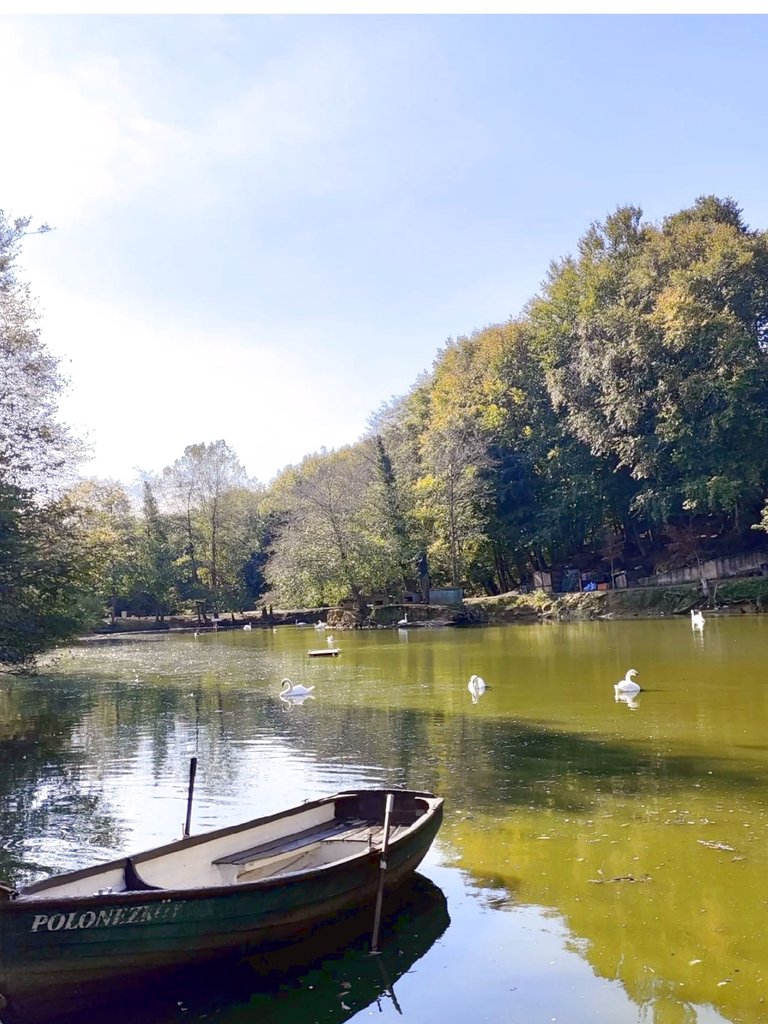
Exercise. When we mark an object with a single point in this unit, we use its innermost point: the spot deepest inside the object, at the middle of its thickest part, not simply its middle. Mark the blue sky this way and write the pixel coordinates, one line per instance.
(266, 226)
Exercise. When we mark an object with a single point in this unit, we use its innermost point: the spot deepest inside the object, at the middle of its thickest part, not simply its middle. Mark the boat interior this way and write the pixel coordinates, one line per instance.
(312, 836)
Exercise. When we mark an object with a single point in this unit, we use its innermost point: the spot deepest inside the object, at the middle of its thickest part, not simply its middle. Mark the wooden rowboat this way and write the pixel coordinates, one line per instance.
(299, 982)
(235, 891)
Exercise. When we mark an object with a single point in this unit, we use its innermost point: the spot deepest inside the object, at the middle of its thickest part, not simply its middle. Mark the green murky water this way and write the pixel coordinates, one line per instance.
(598, 863)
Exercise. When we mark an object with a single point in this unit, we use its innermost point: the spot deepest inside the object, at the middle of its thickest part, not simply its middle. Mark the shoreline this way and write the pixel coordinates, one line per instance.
(742, 595)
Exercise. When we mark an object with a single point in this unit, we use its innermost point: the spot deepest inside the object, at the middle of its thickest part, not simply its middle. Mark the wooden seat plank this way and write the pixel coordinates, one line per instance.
(316, 834)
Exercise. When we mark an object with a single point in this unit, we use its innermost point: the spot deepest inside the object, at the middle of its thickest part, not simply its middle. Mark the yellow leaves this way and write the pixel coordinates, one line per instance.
(687, 319)
(494, 418)
(426, 485)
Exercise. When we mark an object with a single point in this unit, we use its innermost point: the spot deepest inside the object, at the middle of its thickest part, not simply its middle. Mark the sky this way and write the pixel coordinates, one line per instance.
(267, 226)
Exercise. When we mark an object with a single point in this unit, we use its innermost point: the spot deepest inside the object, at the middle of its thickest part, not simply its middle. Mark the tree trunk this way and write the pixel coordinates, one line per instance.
(191, 548)
(214, 555)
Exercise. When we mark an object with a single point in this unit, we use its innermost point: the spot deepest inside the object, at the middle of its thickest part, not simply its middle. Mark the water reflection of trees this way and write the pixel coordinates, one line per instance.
(41, 779)
(61, 747)
(71, 737)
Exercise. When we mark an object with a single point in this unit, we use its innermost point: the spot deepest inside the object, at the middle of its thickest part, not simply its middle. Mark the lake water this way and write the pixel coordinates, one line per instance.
(599, 863)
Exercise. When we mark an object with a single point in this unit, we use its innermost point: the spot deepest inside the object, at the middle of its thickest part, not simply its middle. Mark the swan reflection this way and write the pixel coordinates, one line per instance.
(291, 702)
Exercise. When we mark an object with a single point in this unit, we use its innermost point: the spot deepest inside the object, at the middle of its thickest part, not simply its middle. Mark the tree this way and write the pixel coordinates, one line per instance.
(43, 599)
(34, 446)
(197, 487)
(391, 518)
(612, 547)
(110, 535)
(328, 545)
(242, 546)
(157, 572)
(43, 596)
(654, 344)
(453, 491)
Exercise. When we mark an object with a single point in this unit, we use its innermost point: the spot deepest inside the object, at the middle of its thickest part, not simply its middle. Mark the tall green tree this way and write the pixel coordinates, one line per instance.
(328, 545)
(198, 488)
(157, 571)
(242, 548)
(110, 536)
(34, 445)
(43, 594)
(391, 516)
(654, 344)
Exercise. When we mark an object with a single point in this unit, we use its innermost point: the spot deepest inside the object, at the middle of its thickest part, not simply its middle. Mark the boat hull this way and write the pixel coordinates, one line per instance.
(309, 972)
(90, 943)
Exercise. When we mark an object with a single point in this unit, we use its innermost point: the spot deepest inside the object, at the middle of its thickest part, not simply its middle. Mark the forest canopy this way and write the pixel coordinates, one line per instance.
(619, 420)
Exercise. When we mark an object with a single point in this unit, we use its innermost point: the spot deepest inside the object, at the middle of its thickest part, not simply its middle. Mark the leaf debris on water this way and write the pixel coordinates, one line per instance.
(622, 878)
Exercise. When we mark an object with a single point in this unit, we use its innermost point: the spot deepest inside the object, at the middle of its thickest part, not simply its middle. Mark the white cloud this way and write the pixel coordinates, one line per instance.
(89, 139)
(141, 165)
(92, 129)
(74, 137)
(142, 391)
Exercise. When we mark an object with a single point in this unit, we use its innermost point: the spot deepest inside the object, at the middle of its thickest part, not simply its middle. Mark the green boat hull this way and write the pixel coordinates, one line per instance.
(88, 945)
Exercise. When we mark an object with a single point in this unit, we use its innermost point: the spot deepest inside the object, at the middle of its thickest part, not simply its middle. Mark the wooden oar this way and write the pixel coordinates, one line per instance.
(382, 873)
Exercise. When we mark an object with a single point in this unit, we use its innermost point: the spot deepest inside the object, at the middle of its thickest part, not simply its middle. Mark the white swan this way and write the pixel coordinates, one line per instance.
(248, 626)
(330, 639)
(289, 689)
(627, 684)
(697, 618)
(476, 686)
(404, 620)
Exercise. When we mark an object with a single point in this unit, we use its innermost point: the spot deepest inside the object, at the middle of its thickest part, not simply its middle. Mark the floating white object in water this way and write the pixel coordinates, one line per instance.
(697, 619)
(627, 684)
(476, 686)
(289, 689)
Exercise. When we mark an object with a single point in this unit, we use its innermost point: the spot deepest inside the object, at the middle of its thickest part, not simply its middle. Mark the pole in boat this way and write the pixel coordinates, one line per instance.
(192, 772)
(382, 873)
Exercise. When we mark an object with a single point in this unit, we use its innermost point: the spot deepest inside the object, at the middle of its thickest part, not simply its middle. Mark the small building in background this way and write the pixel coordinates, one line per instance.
(446, 595)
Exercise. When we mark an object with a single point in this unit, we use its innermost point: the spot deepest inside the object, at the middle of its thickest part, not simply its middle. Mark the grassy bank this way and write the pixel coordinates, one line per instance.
(742, 595)
(739, 595)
